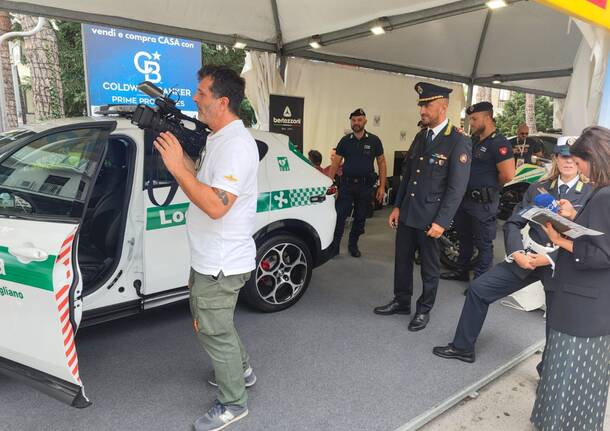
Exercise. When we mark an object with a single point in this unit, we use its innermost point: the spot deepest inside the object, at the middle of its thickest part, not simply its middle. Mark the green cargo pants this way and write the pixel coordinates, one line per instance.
(212, 301)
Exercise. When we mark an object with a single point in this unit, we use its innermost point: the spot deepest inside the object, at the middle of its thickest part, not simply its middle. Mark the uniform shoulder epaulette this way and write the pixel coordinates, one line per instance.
(450, 129)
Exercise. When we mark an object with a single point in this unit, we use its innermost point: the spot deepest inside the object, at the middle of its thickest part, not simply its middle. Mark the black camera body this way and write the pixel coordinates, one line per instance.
(167, 118)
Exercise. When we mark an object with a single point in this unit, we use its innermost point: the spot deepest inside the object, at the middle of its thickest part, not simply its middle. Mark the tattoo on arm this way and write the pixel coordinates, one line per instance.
(222, 195)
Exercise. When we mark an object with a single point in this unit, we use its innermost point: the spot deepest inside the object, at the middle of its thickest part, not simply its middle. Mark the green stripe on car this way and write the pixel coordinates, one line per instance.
(175, 215)
(168, 216)
(34, 274)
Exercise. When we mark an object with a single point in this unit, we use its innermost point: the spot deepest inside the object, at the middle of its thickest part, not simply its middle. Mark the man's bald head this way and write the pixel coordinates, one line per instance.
(522, 132)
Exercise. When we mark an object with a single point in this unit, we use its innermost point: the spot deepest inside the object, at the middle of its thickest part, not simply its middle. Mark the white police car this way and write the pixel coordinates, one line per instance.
(82, 242)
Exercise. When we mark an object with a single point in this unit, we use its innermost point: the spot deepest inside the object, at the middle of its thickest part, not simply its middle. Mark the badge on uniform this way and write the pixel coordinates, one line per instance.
(503, 151)
(463, 158)
(483, 149)
(438, 159)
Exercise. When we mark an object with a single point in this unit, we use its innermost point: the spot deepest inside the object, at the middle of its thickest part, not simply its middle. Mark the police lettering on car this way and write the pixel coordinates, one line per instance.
(359, 149)
(492, 167)
(435, 174)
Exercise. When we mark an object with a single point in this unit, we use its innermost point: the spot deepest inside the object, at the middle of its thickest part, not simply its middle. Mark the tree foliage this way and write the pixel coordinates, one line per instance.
(513, 114)
(69, 40)
(233, 58)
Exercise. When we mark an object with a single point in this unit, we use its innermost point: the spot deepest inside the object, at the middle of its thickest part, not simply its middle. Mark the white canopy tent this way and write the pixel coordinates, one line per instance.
(525, 46)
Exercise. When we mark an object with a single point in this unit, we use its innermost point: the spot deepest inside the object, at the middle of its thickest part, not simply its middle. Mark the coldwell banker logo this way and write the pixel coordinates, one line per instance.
(147, 64)
(287, 118)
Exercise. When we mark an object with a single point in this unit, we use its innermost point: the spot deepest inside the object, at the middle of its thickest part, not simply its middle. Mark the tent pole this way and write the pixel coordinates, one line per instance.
(279, 43)
(468, 103)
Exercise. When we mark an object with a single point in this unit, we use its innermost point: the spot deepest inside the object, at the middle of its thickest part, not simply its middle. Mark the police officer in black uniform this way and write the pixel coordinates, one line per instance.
(525, 261)
(435, 173)
(359, 149)
(492, 166)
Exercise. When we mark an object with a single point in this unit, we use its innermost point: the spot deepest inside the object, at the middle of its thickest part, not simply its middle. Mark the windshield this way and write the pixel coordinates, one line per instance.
(50, 176)
(13, 136)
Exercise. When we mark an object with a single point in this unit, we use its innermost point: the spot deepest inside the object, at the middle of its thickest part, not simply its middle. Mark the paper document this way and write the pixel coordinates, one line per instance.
(561, 224)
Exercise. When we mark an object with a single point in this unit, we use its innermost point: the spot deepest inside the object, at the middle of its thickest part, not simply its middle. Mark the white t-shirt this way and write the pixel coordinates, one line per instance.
(230, 164)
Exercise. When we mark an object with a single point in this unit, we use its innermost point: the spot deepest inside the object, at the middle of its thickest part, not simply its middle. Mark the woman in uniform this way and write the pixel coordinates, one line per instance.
(573, 388)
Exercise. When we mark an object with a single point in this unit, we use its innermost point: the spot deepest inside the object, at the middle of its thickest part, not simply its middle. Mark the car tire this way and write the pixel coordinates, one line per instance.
(283, 271)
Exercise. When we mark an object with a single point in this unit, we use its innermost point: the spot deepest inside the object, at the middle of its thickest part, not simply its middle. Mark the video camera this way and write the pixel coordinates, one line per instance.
(167, 118)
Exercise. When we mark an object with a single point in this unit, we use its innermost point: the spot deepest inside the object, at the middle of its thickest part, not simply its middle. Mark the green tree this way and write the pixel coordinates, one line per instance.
(69, 40)
(513, 114)
(235, 59)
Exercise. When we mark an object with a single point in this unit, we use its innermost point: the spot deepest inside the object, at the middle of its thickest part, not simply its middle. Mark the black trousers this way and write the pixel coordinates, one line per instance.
(475, 224)
(491, 286)
(359, 197)
(408, 240)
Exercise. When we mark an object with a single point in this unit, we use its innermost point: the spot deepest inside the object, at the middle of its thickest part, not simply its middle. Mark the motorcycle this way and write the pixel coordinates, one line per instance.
(511, 194)
(450, 250)
(525, 175)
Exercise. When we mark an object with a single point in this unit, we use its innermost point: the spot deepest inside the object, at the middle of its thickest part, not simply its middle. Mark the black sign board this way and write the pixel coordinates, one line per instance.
(286, 116)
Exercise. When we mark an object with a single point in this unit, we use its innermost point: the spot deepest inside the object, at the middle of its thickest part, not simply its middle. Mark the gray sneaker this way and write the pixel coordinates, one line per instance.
(220, 416)
(249, 377)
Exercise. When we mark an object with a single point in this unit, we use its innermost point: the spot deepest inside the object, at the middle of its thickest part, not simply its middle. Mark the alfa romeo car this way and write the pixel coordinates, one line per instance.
(92, 228)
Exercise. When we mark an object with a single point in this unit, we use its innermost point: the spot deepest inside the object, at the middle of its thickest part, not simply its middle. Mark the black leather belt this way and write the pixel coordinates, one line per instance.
(483, 195)
(356, 180)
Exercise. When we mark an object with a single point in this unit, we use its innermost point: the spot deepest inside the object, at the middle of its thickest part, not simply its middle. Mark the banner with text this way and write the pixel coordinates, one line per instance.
(286, 116)
(117, 60)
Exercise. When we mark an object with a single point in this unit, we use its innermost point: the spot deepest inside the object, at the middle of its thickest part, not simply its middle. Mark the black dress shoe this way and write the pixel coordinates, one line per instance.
(450, 352)
(393, 307)
(353, 250)
(456, 275)
(419, 322)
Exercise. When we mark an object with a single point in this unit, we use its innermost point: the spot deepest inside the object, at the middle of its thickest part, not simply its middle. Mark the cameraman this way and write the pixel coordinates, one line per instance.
(220, 224)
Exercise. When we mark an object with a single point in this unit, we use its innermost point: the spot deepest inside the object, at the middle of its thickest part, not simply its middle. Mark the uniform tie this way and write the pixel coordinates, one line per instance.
(429, 137)
(563, 190)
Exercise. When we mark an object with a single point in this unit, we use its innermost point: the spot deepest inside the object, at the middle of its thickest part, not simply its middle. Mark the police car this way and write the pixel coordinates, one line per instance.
(82, 240)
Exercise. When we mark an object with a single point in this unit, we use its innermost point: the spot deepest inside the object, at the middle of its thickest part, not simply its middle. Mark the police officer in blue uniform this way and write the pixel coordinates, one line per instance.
(359, 149)
(492, 166)
(525, 262)
(434, 178)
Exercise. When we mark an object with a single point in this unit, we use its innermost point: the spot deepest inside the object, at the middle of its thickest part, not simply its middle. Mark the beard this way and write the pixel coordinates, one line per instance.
(479, 131)
(356, 128)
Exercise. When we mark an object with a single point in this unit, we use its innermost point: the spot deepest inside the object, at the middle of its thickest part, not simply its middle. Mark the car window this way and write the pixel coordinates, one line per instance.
(548, 143)
(14, 135)
(154, 168)
(52, 175)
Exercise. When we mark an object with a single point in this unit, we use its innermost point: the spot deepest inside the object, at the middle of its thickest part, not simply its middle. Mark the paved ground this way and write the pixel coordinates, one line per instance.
(328, 363)
(503, 405)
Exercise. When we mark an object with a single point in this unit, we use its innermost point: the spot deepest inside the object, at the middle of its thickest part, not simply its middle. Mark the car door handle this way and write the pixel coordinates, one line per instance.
(28, 253)
(317, 199)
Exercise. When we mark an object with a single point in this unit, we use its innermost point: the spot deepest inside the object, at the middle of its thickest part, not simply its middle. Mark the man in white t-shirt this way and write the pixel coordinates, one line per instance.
(220, 225)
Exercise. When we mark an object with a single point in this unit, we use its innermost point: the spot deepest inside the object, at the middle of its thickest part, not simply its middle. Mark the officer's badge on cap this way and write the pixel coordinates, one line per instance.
(480, 107)
(563, 145)
(357, 113)
(429, 92)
